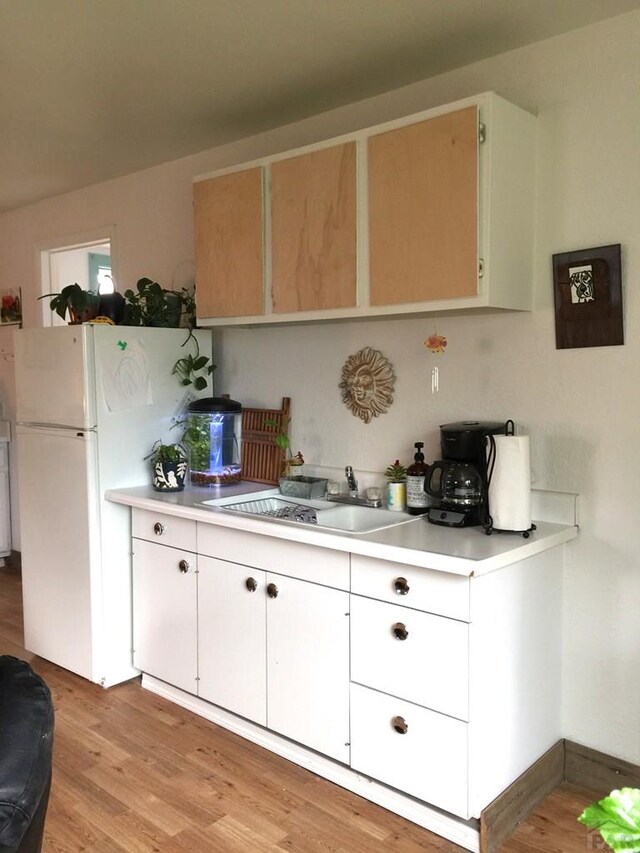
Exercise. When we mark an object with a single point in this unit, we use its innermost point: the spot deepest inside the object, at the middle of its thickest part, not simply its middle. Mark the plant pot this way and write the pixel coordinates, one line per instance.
(397, 496)
(169, 476)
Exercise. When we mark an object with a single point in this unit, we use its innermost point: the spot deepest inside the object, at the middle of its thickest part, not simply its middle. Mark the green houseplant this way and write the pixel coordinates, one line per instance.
(152, 305)
(80, 305)
(193, 368)
(396, 475)
(169, 466)
(617, 819)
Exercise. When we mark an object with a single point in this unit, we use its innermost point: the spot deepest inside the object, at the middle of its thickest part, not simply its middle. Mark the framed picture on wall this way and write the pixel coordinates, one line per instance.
(10, 306)
(587, 286)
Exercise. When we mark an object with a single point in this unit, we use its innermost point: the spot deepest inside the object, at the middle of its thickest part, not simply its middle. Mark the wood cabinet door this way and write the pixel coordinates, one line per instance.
(164, 613)
(228, 213)
(232, 637)
(313, 227)
(423, 210)
(308, 665)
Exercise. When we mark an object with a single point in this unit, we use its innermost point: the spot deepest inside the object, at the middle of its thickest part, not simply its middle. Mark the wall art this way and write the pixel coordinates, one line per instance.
(10, 306)
(367, 384)
(587, 286)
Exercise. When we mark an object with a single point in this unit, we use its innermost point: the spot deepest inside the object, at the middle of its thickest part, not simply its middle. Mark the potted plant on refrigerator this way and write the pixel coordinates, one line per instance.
(169, 466)
(152, 305)
(81, 305)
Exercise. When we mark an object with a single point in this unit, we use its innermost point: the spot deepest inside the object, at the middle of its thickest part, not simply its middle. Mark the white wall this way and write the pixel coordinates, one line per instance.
(581, 407)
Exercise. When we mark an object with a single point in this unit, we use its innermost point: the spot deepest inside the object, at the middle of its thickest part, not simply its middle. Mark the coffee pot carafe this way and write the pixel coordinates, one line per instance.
(458, 488)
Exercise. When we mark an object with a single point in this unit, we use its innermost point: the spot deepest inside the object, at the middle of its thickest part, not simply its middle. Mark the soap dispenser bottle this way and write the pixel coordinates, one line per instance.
(417, 500)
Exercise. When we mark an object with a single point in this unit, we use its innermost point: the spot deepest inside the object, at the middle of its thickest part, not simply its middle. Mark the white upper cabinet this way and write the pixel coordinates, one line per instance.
(432, 212)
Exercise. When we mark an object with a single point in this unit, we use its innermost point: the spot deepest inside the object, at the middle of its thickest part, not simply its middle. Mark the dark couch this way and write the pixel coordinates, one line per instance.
(26, 737)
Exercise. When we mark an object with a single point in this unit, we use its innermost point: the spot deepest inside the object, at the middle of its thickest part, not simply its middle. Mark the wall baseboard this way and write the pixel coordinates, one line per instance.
(598, 771)
(565, 762)
(501, 817)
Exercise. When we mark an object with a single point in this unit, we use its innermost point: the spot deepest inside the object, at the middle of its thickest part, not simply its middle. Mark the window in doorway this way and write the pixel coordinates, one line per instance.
(100, 280)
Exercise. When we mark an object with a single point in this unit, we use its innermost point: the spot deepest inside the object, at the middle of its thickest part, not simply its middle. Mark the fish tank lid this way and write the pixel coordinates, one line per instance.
(205, 405)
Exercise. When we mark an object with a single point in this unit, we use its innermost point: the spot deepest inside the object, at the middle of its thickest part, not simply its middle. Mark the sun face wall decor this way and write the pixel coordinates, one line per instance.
(367, 384)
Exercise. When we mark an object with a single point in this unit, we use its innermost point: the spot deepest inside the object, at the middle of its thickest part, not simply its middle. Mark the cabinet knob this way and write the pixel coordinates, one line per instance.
(183, 566)
(401, 586)
(400, 725)
(400, 631)
(272, 590)
(251, 584)
(158, 528)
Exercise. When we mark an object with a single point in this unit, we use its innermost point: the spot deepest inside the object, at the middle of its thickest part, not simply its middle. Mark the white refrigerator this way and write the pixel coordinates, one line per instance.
(91, 401)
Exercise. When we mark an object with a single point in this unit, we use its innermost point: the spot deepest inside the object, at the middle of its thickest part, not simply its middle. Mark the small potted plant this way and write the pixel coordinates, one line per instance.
(396, 475)
(81, 305)
(169, 466)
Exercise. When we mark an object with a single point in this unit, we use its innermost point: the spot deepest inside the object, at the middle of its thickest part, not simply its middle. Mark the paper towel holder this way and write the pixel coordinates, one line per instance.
(517, 478)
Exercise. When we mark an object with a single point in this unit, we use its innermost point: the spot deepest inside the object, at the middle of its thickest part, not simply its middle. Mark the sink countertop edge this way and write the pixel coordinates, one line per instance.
(462, 551)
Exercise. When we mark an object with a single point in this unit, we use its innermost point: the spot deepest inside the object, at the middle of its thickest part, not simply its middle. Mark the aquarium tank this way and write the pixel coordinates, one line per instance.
(214, 439)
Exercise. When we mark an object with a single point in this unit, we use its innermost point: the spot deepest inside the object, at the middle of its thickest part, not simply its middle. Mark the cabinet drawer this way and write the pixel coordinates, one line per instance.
(423, 589)
(413, 655)
(164, 529)
(410, 748)
(304, 562)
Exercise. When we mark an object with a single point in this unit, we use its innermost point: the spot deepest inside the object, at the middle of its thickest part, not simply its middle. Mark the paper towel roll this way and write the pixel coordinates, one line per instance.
(510, 487)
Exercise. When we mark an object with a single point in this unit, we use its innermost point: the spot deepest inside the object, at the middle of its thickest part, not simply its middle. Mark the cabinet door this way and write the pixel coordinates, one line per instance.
(423, 210)
(229, 245)
(313, 227)
(164, 613)
(308, 664)
(232, 637)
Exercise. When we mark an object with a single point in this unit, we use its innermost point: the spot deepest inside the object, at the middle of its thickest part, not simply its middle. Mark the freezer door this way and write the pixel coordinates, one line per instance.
(54, 369)
(60, 541)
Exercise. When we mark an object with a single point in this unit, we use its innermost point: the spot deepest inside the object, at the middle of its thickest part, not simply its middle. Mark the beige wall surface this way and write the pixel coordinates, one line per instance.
(581, 407)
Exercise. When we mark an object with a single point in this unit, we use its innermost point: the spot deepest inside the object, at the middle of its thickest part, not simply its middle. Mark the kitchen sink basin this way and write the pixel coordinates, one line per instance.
(321, 514)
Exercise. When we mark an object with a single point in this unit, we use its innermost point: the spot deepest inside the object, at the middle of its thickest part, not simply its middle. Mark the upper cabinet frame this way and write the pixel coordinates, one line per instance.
(431, 213)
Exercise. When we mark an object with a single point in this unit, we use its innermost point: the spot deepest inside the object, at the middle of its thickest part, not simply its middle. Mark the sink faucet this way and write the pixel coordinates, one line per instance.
(352, 483)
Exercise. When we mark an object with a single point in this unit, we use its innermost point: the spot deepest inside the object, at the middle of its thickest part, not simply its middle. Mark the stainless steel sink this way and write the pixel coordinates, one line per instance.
(321, 514)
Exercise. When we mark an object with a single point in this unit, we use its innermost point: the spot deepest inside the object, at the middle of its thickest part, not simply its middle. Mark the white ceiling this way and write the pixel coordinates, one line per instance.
(94, 89)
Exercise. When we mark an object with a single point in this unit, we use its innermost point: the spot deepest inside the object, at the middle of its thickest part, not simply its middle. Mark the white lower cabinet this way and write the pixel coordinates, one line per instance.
(232, 637)
(164, 608)
(410, 748)
(275, 650)
(308, 665)
(440, 687)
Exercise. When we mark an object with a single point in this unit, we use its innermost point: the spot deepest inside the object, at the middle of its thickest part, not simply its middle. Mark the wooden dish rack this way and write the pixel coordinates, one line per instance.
(262, 460)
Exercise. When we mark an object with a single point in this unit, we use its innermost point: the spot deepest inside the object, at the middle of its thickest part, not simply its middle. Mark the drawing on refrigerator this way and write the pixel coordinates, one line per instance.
(91, 401)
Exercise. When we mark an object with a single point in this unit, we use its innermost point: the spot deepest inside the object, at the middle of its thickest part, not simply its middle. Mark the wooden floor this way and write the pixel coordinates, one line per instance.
(133, 772)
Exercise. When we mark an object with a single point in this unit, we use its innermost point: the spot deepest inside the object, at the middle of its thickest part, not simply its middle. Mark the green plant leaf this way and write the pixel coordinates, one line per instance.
(200, 362)
(617, 818)
(199, 383)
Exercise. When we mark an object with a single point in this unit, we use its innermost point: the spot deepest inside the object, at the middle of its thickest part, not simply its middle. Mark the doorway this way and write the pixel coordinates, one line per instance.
(84, 262)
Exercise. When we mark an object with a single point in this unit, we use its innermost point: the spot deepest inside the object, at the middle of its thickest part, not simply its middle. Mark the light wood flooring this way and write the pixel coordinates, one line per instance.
(135, 773)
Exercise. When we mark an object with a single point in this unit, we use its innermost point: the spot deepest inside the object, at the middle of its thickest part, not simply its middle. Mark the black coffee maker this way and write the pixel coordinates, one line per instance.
(459, 481)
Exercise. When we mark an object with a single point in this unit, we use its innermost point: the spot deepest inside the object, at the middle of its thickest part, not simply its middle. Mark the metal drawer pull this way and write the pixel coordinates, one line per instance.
(272, 590)
(401, 586)
(400, 725)
(183, 566)
(158, 528)
(251, 584)
(400, 631)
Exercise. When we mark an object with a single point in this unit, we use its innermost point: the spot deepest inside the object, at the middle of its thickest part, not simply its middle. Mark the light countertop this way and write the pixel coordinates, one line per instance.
(463, 551)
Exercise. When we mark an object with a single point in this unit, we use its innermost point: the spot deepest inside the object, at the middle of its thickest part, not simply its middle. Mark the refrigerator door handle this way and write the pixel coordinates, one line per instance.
(43, 425)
